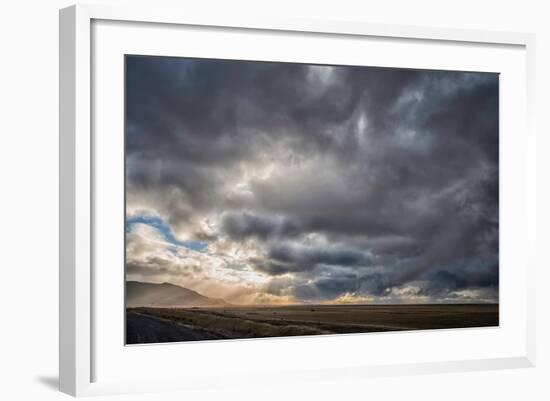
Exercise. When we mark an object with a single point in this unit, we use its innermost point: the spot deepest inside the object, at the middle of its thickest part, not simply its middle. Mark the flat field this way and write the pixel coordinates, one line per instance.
(155, 325)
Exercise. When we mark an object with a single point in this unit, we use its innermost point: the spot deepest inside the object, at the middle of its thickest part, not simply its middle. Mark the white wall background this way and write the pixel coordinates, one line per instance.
(29, 199)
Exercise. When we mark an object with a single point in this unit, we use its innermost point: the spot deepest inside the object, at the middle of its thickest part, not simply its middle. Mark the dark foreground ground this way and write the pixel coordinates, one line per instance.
(155, 325)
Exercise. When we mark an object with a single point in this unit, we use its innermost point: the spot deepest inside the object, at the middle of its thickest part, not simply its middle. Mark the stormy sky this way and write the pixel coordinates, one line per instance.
(267, 183)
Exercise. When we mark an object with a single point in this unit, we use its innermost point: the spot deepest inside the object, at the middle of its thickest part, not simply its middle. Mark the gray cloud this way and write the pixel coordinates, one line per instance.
(349, 179)
(244, 225)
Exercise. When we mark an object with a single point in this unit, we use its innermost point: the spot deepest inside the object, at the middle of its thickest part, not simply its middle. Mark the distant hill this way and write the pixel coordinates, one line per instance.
(165, 295)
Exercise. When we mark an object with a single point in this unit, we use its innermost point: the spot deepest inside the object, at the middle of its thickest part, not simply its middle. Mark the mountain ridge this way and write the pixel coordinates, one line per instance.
(145, 294)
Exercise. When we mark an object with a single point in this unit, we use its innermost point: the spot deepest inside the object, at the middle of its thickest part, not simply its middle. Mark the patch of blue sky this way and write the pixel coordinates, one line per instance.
(165, 231)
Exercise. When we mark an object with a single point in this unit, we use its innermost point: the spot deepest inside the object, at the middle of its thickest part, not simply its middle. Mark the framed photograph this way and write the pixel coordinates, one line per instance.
(297, 200)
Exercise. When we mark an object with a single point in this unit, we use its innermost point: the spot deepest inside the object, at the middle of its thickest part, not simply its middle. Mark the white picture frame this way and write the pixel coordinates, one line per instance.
(78, 165)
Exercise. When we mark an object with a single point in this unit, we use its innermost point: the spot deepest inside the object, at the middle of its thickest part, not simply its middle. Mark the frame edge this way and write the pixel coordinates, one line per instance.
(67, 113)
(74, 201)
(530, 50)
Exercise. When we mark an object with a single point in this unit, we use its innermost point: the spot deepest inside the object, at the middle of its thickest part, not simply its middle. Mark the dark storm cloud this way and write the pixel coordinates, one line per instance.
(286, 257)
(396, 170)
(310, 256)
(244, 225)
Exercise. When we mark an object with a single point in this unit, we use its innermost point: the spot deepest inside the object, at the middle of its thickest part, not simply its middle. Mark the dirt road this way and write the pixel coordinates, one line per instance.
(141, 328)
